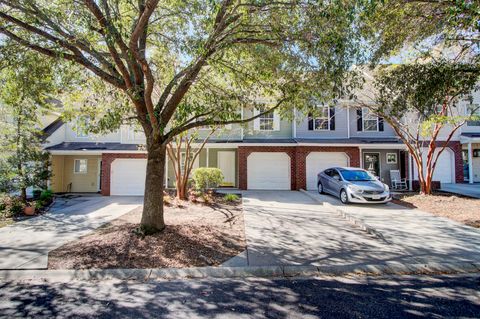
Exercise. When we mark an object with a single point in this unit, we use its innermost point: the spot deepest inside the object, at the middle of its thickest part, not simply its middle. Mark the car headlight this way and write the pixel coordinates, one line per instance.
(355, 189)
(387, 189)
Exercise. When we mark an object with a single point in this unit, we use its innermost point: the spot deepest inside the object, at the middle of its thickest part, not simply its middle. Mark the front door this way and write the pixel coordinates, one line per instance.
(371, 163)
(226, 163)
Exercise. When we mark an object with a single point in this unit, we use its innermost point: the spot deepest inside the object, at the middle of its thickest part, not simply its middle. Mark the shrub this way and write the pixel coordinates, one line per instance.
(231, 197)
(36, 193)
(207, 177)
(46, 196)
(11, 205)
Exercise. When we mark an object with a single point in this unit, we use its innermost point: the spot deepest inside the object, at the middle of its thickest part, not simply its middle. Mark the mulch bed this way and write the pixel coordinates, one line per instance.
(197, 234)
(461, 209)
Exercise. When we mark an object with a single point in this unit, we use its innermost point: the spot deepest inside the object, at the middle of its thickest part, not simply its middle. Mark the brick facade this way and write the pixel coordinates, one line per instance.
(301, 158)
(107, 159)
(244, 151)
(298, 155)
(456, 147)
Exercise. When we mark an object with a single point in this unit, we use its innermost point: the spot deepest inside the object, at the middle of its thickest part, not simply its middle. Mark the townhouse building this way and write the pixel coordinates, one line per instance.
(267, 153)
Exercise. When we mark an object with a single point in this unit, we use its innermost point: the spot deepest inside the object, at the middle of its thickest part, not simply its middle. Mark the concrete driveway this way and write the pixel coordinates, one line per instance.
(289, 228)
(25, 244)
(471, 190)
(418, 234)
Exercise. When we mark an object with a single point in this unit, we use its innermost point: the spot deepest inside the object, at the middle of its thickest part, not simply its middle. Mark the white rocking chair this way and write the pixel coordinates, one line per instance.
(397, 181)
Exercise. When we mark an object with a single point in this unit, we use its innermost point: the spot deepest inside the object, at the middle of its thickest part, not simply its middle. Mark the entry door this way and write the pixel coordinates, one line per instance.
(226, 163)
(371, 163)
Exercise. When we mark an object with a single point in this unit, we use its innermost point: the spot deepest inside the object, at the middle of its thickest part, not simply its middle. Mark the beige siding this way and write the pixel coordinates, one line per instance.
(56, 181)
(212, 162)
(65, 179)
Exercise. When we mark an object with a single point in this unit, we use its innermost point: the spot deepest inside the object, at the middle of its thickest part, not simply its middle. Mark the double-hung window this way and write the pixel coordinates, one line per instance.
(370, 120)
(473, 109)
(80, 166)
(266, 121)
(322, 121)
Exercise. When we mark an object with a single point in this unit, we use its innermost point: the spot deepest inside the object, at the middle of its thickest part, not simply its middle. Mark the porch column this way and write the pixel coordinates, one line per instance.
(410, 172)
(470, 163)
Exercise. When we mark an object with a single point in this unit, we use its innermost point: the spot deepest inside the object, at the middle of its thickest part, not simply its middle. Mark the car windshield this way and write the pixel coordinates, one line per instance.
(357, 175)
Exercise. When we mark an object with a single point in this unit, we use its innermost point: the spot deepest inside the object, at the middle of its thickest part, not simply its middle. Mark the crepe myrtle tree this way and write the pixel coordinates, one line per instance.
(183, 151)
(420, 101)
(156, 55)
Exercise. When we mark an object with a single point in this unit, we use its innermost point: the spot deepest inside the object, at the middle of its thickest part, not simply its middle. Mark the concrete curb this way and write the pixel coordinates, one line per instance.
(237, 272)
(354, 220)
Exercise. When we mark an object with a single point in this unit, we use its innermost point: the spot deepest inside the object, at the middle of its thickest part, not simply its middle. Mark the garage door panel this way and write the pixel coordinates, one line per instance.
(268, 171)
(319, 161)
(127, 177)
(444, 170)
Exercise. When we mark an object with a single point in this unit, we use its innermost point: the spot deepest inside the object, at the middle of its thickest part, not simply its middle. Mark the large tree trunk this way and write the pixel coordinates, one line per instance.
(152, 216)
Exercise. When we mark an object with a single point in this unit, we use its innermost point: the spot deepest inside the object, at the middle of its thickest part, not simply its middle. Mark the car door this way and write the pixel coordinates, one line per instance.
(325, 180)
(335, 182)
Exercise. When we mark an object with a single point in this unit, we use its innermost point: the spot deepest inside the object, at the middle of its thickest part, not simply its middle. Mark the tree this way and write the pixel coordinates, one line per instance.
(190, 144)
(423, 28)
(160, 55)
(26, 82)
(419, 101)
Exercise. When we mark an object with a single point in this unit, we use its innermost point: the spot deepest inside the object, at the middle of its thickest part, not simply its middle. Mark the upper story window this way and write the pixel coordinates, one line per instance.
(369, 120)
(131, 133)
(473, 109)
(266, 122)
(322, 122)
(80, 166)
(81, 131)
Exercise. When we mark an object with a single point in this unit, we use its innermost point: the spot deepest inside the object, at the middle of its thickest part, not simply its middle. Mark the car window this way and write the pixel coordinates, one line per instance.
(328, 172)
(335, 173)
(357, 175)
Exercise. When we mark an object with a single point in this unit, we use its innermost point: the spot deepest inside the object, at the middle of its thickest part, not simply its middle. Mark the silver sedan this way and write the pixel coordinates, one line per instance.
(353, 185)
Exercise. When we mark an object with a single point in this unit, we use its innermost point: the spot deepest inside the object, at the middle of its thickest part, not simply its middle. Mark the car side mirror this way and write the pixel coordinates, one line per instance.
(336, 177)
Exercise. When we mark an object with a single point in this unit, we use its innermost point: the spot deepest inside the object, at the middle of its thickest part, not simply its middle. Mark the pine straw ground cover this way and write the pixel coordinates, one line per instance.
(461, 209)
(197, 234)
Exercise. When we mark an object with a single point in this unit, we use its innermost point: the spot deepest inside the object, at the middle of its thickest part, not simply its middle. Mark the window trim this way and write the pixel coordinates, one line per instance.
(396, 158)
(364, 119)
(272, 119)
(327, 119)
(86, 166)
(472, 123)
(80, 133)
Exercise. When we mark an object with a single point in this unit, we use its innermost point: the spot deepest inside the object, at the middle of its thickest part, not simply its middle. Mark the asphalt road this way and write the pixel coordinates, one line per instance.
(326, 297)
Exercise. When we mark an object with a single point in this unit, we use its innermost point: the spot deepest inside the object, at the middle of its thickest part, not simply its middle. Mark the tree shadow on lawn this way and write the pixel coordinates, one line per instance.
(117, 246)
(400, 297)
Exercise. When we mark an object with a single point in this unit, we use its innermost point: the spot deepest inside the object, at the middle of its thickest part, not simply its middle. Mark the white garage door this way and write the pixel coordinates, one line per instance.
(127, 176)
(444, 171)
(268, 171)
(318, 161)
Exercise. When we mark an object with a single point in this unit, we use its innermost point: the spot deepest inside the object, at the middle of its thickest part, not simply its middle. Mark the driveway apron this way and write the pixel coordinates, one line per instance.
(25, 244)
(289, 228)
(418, 234)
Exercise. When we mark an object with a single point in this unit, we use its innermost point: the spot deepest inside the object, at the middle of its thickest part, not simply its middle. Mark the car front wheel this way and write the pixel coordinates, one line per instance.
(320, 188)
(343, 196)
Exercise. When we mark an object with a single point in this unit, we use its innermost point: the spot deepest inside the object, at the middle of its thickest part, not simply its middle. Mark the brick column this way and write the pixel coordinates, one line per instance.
(107, 160)
(456, 147)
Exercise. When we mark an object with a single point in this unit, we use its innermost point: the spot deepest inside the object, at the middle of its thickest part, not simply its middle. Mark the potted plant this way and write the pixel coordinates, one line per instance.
(29, 209)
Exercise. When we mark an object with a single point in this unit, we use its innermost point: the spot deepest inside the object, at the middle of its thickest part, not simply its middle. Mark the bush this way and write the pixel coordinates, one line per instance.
(231, 197)
(46, 196)
(36, 193)
(11, 205)
(207, 177)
